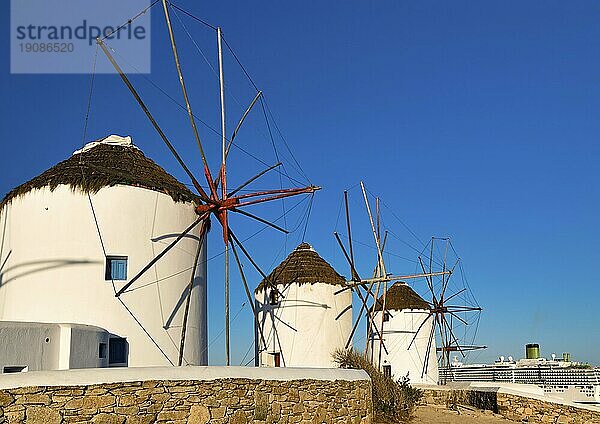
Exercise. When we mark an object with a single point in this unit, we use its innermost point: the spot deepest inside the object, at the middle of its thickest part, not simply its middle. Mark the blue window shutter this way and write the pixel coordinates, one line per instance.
(114, 271)
(116, 268)
(123, 269)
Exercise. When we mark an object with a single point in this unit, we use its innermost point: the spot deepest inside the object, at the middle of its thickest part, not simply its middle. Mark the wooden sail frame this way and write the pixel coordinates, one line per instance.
(213, 203)
(443, 313)
(380, 278)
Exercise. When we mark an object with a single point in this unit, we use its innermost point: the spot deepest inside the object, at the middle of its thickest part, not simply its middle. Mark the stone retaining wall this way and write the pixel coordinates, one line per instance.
(521, 408)
(512, 406)
(477, 399)
(220, 400)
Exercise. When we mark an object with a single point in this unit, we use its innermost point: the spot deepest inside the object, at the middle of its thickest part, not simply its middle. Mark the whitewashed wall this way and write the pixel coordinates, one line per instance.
(307, 326)
(398, 333)
(56, 269)
(33, 346)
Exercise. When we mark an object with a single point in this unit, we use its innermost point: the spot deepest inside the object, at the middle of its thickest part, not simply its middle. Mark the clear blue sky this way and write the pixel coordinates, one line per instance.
(475, 120)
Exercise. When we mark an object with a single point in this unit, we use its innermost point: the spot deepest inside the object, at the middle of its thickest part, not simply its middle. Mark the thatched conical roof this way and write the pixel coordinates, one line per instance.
(105, 163)
(400, 296)
(303, 266)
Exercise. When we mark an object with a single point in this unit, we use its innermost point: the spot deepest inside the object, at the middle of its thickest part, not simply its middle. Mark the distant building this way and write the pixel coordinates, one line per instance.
(74, 235)
(406, 317)
(306, 316)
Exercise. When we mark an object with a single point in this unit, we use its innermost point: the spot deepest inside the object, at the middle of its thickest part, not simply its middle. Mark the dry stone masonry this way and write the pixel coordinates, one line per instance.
(514, 407)
(229, 400)
(520, 408)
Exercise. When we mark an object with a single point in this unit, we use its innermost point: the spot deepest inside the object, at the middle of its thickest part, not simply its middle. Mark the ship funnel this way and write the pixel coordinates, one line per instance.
(532, 351)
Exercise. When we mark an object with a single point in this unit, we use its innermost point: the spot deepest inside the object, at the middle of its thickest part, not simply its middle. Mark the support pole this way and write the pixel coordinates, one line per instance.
(237, 128)
(353, 269)
(381, 331)
(227, 351)
(431, 255)
(224, 196)
(251, 300)
(223, 137)
(444, 269)
(383, 311)
(160, 132)
(186, 99)
(381, 265)
(254, 178)
(239, 125)
(373, 325)
(382, 271)
(161, 254)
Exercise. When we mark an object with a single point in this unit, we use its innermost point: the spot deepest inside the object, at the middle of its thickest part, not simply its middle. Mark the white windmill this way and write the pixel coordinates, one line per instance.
(306, 318)
(401, 325)
(175, 334)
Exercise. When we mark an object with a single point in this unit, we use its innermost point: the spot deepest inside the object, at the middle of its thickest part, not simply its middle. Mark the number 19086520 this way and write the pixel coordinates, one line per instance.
(46, 47)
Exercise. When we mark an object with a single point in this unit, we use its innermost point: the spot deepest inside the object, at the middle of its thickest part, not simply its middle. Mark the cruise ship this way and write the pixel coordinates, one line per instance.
(559, 377)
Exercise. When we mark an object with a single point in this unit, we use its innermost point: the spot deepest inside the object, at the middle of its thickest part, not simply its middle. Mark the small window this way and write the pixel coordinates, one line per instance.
(387, 370)
(386, 316)
(13, 369)
(116, 268)
(117, 351)
(102, 350)
(273, 297)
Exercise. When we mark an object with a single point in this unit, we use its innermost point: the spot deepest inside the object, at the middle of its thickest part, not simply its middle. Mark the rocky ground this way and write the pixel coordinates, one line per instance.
(440, 415)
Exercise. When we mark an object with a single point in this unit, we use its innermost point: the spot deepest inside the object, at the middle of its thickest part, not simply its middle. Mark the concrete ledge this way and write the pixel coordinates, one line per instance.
(91, 376)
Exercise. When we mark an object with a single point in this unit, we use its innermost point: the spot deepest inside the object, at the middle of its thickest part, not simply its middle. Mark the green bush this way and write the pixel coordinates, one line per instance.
(393, 401)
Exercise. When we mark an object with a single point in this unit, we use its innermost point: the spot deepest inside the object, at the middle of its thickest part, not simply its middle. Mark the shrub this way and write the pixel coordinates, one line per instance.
(393, 401)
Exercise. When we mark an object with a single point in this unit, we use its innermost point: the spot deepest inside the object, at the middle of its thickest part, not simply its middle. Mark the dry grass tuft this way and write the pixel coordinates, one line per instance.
(393, 401)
